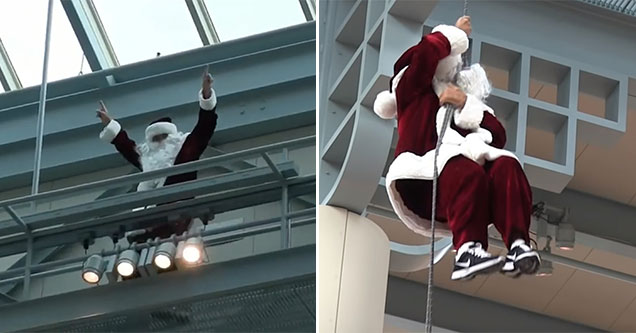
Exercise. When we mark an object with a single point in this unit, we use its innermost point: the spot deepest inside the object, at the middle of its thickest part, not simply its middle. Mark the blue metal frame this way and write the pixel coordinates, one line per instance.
(265, 84)
(250, 272)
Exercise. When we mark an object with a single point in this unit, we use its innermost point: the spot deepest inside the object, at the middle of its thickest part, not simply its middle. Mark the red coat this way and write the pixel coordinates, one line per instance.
(191, 148)
(417, 102)
(418, 73)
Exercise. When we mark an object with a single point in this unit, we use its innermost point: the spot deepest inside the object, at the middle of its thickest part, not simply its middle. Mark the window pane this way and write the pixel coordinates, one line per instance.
(23, 30)
(141, 28)
(239, 18)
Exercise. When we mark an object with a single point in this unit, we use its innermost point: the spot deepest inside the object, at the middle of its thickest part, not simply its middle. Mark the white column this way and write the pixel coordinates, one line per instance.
(353, 272)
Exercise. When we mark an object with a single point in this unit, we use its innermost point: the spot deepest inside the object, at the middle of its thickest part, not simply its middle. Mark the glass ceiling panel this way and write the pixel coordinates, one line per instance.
(139, 29)
(23, 30)
(239, 18)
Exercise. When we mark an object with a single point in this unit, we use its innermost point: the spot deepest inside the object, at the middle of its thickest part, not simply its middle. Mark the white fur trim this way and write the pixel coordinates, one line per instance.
(109, 132)
(484, 134)
(207, 104)
(448, 67)
(477, 150)
(410, 166)
(397, 78)
(450, 136)
(456, 37)
(472, 114)
(160, 128)
(385, 105)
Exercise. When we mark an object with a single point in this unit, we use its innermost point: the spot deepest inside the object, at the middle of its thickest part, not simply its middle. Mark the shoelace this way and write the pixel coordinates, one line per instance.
(478, 251)
(523, 247)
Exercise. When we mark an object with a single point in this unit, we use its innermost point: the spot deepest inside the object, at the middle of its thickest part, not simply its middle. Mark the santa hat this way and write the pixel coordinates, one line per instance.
(385, 104)
(160, 126)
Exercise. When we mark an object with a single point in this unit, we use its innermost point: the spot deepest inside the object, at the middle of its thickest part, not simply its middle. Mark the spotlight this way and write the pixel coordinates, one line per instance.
(193, 250)
(127, 262)
(164, 256)
(545, 269)
(565, 236)
(93, 269)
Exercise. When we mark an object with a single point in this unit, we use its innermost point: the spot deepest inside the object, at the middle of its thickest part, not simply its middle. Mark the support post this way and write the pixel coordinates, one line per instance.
(353, 270)
(42, 106)
(27, 267)
(285, 238)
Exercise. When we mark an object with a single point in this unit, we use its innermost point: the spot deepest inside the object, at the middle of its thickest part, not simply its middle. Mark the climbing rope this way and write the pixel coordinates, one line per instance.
(429, 288)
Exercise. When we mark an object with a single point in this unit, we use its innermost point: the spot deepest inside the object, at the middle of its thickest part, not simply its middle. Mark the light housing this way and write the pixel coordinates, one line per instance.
(93, 269)
(545, 269)
(164, 255)
(127, 263)
(565, 236)
(193, 250)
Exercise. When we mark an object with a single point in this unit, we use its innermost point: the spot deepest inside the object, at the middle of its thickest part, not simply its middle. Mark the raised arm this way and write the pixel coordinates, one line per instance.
(423, 58)
(114, 134)
(200, 136)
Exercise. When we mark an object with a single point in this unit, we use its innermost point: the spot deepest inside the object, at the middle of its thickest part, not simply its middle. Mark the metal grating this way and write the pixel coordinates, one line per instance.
(285, 307)
(627, 7)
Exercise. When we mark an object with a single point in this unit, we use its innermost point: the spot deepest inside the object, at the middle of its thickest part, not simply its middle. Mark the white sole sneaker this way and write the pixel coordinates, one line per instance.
(485, 267)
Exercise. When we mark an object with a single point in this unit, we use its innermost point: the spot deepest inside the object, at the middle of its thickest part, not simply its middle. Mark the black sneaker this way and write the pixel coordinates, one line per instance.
(471, 259)
(521, 259)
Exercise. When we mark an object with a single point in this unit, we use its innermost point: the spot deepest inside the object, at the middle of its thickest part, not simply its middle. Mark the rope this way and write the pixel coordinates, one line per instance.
(429, 288)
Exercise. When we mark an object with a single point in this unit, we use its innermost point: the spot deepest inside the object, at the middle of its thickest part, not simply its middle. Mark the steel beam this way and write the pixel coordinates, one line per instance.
(250, 272)
(106, 226)
(123, 202)
(8, 77)
(42, 255)
(407, 299)
(309, 9)
(115, 185)
(203, 22)
(213, 235)
(90, 33)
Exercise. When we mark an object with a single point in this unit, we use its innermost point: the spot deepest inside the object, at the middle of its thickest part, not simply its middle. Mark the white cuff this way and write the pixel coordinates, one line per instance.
(207, 104)
(456, 37)
(109, 132)
(472, 114)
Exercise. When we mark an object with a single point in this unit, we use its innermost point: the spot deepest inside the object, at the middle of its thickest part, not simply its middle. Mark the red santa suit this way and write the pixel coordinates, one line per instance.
(479, 182)
(176, 149)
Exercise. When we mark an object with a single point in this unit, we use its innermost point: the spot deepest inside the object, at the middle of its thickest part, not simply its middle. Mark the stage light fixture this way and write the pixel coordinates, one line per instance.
(545, 269)
(165, 254)
(193, 250)
(127, 263)
(93, 269)
(565, 236)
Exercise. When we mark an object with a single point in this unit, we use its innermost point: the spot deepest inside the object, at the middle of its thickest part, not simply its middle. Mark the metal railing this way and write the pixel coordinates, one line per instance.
(56, 267)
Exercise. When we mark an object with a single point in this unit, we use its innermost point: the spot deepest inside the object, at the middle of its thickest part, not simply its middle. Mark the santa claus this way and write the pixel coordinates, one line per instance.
(479, 182)
(165, 146)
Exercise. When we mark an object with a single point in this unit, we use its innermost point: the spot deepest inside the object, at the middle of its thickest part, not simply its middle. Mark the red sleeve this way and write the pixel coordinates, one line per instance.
(127, 148)
(426, 55)
(199, 138)
(498, 132)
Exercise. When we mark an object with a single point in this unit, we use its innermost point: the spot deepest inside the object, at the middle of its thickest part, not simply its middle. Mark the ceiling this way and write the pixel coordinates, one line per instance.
(568, 294)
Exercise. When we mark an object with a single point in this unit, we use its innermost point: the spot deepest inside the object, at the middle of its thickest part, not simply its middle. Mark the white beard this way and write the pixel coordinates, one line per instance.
(155, 156)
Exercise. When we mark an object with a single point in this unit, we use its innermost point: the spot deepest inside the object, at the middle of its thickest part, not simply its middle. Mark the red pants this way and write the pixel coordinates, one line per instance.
(470, 197)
